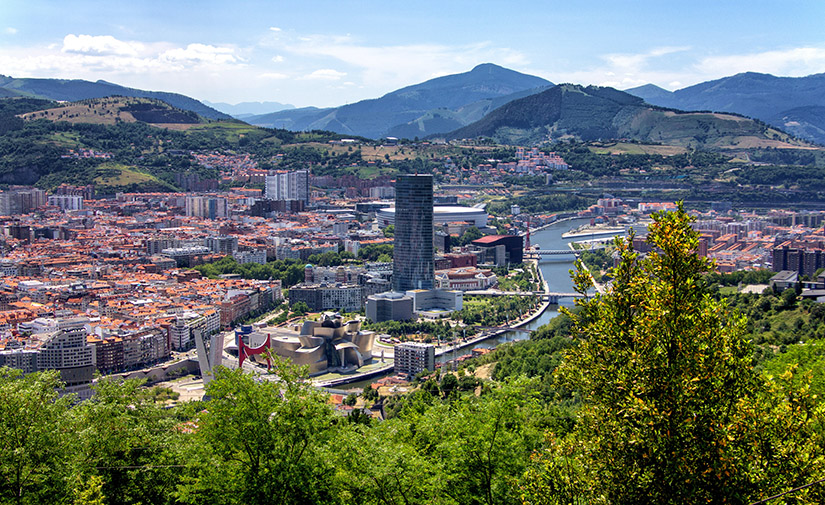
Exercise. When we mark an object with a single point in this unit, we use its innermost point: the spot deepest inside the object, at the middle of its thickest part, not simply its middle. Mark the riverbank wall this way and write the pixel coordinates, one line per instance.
(378, 372)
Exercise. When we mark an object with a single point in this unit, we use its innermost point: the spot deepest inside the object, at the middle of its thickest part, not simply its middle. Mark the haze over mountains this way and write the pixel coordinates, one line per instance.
(72, 90)
(794, 104)
(439, 106)
(434, 106)
(488, 93)
(247, 109)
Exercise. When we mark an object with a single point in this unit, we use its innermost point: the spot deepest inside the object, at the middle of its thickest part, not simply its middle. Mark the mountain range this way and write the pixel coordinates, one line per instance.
(794, 104)
(73, 90)
(481, 99)
(433, 106)
(445, 104)
(601, 113)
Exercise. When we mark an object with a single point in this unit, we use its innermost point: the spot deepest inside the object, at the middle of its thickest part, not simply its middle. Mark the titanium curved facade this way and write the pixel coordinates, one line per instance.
(412, 265)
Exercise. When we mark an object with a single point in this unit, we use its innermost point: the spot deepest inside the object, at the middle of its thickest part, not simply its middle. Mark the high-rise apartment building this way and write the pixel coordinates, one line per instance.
(288, 186)
(412, 266)
(412, 358)
(21, 201)
(207, 207)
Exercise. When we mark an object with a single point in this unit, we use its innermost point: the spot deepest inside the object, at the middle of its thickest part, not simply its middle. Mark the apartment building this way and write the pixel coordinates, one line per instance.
(412, 358)
(320, 297)
(288, 186)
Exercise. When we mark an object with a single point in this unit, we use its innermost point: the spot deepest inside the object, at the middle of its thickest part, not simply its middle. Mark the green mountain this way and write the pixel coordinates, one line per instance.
(593, 113)
(73, 90)
(420, 103)
(762, 96)
(444, 120)
(146, 142)
(806, 122)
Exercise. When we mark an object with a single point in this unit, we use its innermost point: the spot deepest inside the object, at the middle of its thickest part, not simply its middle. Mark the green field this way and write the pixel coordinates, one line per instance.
(633, 148)
(124, 176)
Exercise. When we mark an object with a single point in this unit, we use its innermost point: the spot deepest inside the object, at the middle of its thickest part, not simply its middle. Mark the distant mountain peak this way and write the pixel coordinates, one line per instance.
(478, 88)
(486, 67)
(647, 87)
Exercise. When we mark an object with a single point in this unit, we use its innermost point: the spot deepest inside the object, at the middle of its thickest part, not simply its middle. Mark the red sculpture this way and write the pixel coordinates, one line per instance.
(245, 351)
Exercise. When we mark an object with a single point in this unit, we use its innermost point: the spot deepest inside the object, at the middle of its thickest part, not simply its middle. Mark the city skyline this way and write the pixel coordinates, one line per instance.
(332, 53)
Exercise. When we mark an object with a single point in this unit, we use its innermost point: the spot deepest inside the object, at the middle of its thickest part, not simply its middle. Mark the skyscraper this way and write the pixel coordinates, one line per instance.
(412, 266)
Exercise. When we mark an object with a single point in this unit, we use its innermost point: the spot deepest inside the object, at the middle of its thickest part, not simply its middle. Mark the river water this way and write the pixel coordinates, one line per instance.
(554, 269)
(556, 272)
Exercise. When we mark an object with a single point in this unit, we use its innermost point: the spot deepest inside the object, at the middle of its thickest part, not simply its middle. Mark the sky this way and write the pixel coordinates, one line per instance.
(328, 53)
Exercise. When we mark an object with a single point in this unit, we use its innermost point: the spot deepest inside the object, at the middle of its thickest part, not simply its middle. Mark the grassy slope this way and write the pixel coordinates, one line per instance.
(100, 111)
(125, 176)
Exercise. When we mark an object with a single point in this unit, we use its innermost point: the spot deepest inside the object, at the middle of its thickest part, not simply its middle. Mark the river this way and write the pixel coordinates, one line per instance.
(556, 272)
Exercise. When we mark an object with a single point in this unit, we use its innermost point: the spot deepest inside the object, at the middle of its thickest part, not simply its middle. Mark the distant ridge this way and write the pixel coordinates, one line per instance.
(602, 113)
(382, 116)
(779, 101)
(73, 90)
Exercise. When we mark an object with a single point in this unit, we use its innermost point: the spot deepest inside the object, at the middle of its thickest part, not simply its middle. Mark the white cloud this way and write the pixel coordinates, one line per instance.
(99, 45)
(195, 69)
(793, 62)
(665, 68)
(201, 53)
(10, 30)
(394, 66)
(629, 64)
(274, 29)
(273, 75)
(278, 58)
(325, 74)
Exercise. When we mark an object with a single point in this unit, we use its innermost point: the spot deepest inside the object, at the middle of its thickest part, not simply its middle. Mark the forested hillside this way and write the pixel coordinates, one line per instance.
(146, 142)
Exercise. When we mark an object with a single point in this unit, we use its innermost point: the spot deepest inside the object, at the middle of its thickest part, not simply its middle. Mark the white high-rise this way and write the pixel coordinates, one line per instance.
(288, 186)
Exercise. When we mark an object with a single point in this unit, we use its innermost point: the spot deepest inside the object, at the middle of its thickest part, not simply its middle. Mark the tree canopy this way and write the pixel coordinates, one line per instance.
(672, 410)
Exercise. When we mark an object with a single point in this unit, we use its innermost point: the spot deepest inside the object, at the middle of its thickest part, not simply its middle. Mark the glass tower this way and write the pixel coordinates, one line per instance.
(412, 265)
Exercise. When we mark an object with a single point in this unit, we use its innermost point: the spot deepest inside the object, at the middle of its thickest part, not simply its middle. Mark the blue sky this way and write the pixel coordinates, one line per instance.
(328, 53)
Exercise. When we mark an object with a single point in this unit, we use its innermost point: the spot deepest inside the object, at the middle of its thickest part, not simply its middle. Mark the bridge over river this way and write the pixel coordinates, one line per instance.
(551, 297)
(540, 254)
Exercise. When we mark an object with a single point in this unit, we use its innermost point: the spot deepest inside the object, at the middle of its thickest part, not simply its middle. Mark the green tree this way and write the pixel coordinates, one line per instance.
(379, 465)
(300, 308)
(261, 441)
(449, 383)
(468, 236)
(370, 394)
(89, 491)
(671, 408)
(384, 258)
(480, 445)
(34, 438)
(128, 442)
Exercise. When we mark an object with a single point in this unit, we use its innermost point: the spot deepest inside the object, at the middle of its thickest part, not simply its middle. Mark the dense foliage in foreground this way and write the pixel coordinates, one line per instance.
(654, 400)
